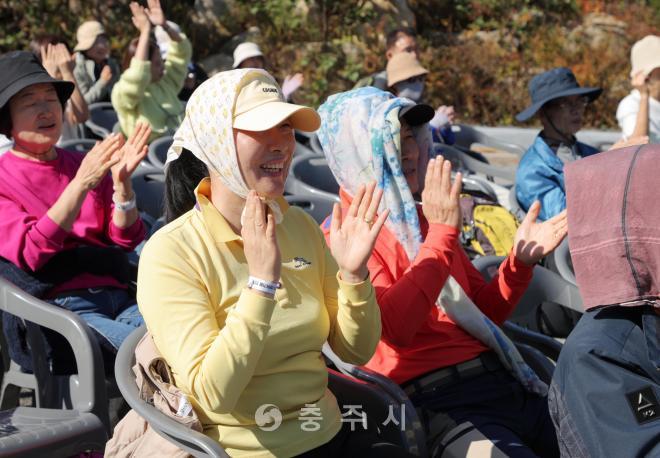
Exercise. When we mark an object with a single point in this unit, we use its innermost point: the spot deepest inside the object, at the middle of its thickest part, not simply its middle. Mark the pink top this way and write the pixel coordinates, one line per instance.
(30, 238)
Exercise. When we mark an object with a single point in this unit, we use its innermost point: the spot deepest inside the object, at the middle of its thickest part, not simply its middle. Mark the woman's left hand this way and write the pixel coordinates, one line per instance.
(352, 238)
(535, 240)
(131, 153)
(155, 13)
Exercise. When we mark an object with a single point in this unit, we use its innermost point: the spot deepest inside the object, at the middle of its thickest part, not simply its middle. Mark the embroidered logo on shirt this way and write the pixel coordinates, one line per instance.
(644, 405)
(298, 263)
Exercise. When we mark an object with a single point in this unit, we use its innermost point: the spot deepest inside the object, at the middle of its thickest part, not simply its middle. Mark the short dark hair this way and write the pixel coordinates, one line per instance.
(132, 47)
(393, 36)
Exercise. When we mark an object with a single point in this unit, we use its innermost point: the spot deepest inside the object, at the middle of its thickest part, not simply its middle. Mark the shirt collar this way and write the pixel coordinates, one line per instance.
(217, 225)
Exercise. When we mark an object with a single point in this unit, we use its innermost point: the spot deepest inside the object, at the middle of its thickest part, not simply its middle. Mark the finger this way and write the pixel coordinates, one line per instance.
(456, 187)
(270, 228)
(378, 225)
(248, 214)
(375, 203)
(353, 209)
(561, 216)
(446, 178)
(437, 175)
(533, 213)
(428, 179)
(259, 214)
(366, 200)
(335, 224)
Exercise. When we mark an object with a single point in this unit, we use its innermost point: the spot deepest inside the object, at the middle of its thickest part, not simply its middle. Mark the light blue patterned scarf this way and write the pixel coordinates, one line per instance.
(360, 135)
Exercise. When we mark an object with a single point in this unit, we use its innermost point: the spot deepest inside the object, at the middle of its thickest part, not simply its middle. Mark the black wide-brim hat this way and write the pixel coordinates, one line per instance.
(553, 84)
(20, 69)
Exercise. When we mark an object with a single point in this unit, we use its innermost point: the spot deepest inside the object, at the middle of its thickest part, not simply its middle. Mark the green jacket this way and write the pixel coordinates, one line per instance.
(136, 98)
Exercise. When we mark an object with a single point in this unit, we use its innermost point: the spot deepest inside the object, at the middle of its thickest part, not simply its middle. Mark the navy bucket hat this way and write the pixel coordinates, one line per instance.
(20, 69)
(550, 85)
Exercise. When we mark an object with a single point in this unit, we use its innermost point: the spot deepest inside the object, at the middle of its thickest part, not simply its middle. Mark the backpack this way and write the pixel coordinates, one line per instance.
(488, 228)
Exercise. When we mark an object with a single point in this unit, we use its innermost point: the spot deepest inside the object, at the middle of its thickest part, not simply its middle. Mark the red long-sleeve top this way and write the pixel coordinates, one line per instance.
(418, 337)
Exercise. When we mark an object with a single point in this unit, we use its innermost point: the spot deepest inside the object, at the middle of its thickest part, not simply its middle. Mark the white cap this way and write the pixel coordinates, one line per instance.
(645, 55)
(245, 51)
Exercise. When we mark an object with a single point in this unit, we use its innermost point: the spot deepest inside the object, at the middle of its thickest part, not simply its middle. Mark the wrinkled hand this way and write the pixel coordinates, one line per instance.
(139, 18)
(352, 237)
(66, 62)
(262, 252)
(98, 161)
(131, 153)
(639, 82)
(106, 74)
(49, 60)
(535, 240)
(441, 198)
(630, 142)
(155, 13)
(291, 84)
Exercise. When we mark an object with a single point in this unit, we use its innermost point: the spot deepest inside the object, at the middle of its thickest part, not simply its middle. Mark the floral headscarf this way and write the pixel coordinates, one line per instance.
(360, 135)
(207, 132)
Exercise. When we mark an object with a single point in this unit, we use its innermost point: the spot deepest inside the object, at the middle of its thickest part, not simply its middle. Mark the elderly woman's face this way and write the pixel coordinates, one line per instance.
(409, 157)
(36, 116)
(100, 50)
(264, 158)
(566, 113)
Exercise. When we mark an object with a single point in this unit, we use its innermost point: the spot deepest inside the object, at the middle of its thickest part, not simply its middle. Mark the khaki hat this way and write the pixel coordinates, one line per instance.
(402, 66)
(645, 55)
(87, 33)
(260, 106)
(244, 51)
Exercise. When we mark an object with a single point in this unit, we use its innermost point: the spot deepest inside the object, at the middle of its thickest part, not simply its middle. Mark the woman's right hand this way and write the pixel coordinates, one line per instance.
(639, 82)
(98, 161)
(441, 198)
(262, 252)
(140, 18)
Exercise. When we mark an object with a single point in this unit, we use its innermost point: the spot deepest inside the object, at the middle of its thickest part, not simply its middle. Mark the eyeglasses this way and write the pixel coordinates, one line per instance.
(576, 104)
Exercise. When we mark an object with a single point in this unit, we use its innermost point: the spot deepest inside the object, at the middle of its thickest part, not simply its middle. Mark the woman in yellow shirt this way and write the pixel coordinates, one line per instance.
(240, 291)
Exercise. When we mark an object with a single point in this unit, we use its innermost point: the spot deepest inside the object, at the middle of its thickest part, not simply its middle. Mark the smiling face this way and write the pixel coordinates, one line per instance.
(409, 157)
(264, 158)
(36, 117)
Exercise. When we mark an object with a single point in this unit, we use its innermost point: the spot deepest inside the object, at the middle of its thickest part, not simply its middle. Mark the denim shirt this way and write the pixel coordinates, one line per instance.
(611, 357)
(540, 176)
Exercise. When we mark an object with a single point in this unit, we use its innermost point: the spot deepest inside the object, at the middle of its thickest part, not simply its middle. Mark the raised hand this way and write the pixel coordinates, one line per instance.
(98, 161)
(535, 240)
(262, 252)
(155, 13)
(64, 59)
(131, 153)
(291, 84)
(106, 74)
(640, 82)
(49, 60)
(140, 18)
(352, 238)
(440, 198)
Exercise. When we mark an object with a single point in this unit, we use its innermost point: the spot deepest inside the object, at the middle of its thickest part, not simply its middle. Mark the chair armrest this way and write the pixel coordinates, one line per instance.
(193, 442)
(545, 344)
(91, 374)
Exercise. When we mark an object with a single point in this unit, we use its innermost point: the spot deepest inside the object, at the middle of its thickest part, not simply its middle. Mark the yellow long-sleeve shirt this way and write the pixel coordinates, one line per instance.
(136, 98)
(232, 350)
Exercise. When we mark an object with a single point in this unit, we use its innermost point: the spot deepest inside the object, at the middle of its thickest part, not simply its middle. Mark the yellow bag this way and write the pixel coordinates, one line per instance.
(488, 228)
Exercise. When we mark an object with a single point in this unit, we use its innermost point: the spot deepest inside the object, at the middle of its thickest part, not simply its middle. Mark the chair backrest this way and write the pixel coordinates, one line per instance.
(88, 387)
(149, 191)
(473, 165)
(102, 118)
(81, 145)
(310, 174)
(560, 261)
(412, 437)
(318, 206)
(191, 441)
(514, 205)
(158, 151)
(469, 137)
(546, 286)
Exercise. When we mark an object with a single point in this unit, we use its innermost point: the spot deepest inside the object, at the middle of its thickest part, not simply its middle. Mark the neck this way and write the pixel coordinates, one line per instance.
(228, 204)
(34, 152)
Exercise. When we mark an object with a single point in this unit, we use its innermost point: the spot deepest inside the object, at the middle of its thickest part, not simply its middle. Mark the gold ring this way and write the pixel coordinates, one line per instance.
(368, 221)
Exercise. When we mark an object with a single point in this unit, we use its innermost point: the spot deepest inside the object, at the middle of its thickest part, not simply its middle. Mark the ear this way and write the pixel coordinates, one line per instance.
(388, 54)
